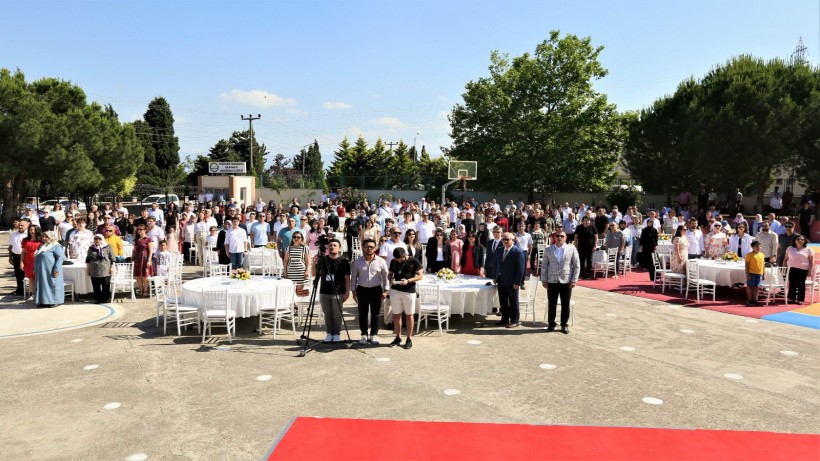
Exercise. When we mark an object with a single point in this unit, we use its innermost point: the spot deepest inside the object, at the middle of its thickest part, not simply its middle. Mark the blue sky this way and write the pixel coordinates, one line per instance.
(328, 69)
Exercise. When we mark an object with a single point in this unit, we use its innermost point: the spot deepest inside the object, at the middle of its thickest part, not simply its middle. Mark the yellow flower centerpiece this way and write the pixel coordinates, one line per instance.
(240, 274)
(664, 237)
(446, 274)
(271, 246)
(731, 256)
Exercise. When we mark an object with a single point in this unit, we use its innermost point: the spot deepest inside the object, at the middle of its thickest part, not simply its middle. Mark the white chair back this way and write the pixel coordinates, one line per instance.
(532, 287)
(429, 293)
(123, 272)
(215, 300)
(219, 270)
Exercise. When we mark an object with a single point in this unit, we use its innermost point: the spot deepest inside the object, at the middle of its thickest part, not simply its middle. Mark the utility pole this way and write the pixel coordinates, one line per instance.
(250, 118)
(415, 154)
(391, 144)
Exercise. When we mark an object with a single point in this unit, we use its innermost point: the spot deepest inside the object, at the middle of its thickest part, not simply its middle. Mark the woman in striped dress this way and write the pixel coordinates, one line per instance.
(296, 260)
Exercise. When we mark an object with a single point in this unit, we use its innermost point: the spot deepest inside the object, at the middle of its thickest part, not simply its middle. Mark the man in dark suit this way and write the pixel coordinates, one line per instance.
(509, 271)
(492, 245)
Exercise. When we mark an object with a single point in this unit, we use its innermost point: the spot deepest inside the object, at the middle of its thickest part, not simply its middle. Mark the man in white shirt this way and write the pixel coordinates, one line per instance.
(154, 232)
(385, 211)
(156, 213)
(281, 222)
(237, 243)
(652, 221)
(695, 239)
(15, 251)
(425, 228)
(524, 242)
(386, 250)
(259, 232)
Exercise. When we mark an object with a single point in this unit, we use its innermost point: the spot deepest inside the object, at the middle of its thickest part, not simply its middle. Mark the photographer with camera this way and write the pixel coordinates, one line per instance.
(335, 286)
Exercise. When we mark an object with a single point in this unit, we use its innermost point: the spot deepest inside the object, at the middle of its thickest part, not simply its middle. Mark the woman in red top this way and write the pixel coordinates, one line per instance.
(30, 245)
(472, 256)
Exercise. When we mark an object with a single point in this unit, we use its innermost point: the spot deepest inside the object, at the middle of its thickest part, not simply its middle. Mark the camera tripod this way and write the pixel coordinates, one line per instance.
(321, 272)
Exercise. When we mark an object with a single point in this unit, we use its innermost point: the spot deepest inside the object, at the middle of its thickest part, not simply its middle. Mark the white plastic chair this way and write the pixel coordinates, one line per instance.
(539, 249)
(192, 253)
(559, 306)
(356, 251)
(282, 309)
(774, 286)
(219, 270)
(301, 304)
(527, 305)
(432, 306)
(215, 311)
(626, 264)
(813, 284)
(123, 280)
(608, 265)
(256, 261)
(665, 276)
(701, 286)
(210, 257)
(69, 289)
(183, 316)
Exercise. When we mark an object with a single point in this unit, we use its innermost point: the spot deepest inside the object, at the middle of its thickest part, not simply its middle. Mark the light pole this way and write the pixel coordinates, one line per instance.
(250, 118)
(415, 154)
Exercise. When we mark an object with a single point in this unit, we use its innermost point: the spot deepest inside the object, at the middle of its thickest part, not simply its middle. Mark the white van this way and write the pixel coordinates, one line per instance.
(160, 198)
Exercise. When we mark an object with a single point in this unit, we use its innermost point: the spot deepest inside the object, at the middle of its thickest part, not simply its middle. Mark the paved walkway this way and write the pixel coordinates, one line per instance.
(121, 389)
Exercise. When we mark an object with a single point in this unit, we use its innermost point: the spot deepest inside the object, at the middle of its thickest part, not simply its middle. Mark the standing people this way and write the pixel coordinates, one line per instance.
(437, 253)
(403, 274)
(509, 267)
(800, 259)
(48, 267)
(142, 257)
(649, 242)
(456, 244)
(368, 281)
(16, 252)
(99, 266)
(615, 239)
(334, 289)
(472, 256)
(680, 251)
(560, 268)
(80, 240)
(586, 239)
(296, 260)
(785, 240)
(492, 247)
(741, 242)
(31, 243)
(755, 273)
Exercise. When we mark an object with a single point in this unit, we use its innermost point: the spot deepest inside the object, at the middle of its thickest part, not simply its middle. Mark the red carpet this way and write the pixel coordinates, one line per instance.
(728, 300)
(372, 440)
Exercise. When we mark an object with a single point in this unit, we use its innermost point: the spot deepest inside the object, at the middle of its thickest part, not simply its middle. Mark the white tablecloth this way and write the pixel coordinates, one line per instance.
(244, 296)
(75, 273)
(466, 295)
(722, 273)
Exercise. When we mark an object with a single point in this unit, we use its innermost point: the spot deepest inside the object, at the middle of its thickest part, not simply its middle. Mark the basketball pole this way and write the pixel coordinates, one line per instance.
(444, 189)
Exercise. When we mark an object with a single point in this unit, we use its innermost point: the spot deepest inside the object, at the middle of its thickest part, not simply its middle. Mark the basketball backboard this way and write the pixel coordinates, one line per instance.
(462, 169)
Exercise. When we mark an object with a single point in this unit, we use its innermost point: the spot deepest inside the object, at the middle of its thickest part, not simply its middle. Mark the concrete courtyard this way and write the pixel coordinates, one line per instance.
(179, 400)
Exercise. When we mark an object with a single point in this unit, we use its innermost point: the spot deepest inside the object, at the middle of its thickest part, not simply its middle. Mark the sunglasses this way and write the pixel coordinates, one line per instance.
(370, 247)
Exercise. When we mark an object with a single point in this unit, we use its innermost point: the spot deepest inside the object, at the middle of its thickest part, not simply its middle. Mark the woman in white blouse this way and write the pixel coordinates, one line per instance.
(741, 242)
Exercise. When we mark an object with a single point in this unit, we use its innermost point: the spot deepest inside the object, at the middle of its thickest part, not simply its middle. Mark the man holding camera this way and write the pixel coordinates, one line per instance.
(335, 288)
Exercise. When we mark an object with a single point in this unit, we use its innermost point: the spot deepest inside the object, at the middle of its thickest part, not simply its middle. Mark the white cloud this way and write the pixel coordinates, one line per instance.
(336, 105)
(389, 122)
(259, 98)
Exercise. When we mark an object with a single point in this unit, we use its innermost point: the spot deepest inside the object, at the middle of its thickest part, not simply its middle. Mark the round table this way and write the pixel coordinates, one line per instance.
(244, 296)
(724, 273)
(75, 273)
(467, 294)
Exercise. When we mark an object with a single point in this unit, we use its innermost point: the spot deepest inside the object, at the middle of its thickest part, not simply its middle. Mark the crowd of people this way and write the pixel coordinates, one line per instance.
(503, 243)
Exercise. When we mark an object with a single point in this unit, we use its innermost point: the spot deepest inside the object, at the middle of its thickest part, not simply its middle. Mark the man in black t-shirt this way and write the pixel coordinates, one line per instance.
(403, 274)
(586, 239)
(335, 283)
(805, 217)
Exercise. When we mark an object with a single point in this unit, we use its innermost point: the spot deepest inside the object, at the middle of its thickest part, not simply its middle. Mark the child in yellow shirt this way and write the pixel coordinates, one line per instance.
(755, 273)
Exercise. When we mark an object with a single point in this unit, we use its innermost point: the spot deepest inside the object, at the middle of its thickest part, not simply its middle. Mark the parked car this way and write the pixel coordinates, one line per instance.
(160, 198)
(49, 204)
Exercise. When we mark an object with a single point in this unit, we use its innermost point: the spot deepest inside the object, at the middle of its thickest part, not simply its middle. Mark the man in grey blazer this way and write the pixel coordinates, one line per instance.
(559, 273)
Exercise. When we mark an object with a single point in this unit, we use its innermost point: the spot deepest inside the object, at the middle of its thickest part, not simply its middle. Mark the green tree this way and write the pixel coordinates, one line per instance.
(162, 166)
(378, 162)
(738, 126)
(403, 168)
(537, 123)
(50, 135)
(340, 158)
(313, 166)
